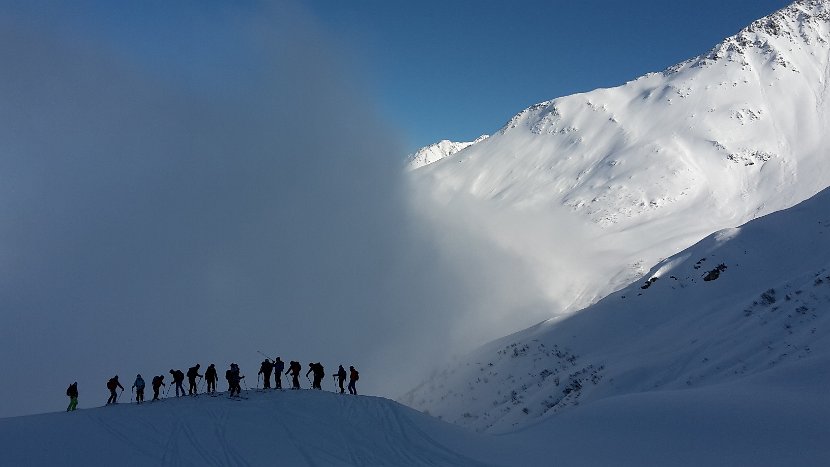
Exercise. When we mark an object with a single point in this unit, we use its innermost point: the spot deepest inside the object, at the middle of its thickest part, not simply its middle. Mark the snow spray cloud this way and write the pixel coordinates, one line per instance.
(198, 188)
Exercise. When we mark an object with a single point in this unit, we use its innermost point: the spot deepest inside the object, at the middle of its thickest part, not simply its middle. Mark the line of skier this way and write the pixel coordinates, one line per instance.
(233, 377)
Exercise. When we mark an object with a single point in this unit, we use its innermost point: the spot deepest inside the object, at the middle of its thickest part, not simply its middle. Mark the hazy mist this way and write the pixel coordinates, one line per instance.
(199, 189)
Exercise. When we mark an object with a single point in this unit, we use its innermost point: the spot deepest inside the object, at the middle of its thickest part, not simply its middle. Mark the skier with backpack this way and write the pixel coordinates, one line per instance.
(211, 377)
(353, 377)
(139, 389)
(265, 370)
(72, 392)
(279, 365)
(341, 377)
(111, 385)
(192, 373)
(294, 368)
(317, 370)
(178, 378)
(158, 382)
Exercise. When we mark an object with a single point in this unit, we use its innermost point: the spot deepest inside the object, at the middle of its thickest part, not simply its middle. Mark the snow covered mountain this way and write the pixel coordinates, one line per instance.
(587, 191)
(437, 151)
(729, 338)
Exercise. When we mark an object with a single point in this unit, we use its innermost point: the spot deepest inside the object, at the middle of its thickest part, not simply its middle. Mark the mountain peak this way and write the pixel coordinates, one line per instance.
(804, 22)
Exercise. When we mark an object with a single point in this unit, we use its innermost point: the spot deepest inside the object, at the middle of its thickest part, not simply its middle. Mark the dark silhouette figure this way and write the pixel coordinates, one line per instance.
(294, 368)
(235, 379)
(111, 385)
(158, 382)
(229, 378)
(353, 377)
(317, 370)
(211, 377)
(279, 366)
(265, 370)
(178, 378)
(341, 377)
(72, 392)
(192, 373)
(139, 389)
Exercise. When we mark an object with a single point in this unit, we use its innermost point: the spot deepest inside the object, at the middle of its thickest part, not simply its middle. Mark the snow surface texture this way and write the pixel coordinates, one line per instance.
(587, 191)
(274, 428)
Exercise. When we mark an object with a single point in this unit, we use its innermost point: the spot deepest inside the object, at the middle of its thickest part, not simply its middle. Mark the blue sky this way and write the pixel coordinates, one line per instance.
(435, 69)
(458, 69)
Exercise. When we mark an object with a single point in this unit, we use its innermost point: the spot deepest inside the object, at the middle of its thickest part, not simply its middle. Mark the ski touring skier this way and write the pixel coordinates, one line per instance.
(317, 370)
(341, 377)
(139, 389)
(353, 377)
(211, 377)
(158, 382)
(72, 392)
(235, 379)
(178, 378)
(279, 366)
(294, 368)
(112, 384)
(192, 373)
(265, 370)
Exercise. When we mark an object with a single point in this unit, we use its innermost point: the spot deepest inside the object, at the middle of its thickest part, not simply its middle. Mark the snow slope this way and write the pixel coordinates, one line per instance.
(587, 191)
(730, 335)
(286, 428)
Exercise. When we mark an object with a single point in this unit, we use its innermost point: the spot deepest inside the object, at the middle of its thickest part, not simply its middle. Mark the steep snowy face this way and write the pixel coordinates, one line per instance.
(744, 310)
(437, 151)
(641, 171)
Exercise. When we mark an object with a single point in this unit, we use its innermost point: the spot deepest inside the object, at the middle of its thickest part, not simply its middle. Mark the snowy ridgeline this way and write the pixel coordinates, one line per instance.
(266, 428)
(743, 305)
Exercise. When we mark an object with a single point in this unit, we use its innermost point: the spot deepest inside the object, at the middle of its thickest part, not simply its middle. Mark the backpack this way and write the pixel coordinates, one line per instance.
(111, 384)
(139, 383)
(356, 375)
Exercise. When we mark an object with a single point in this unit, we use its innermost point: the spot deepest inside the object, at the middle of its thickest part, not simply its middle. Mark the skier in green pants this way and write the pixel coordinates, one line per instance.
(72, 392)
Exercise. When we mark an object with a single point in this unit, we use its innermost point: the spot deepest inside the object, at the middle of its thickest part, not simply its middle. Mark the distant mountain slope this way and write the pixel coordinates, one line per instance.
(743, 307)
(437, 151)
(587, 191)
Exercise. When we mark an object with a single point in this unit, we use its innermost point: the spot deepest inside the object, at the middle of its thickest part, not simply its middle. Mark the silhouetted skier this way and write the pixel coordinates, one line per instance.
(158, 382)
(353, 377)
(192, 373)
(317, 370)
(235, 379)
(279, 365)
(72, 392)
(211, 377)
(229, 377)
(341, 377)
(178, 378)
(294, 368)
(139, 389)
(111, 385)
(265, 370)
